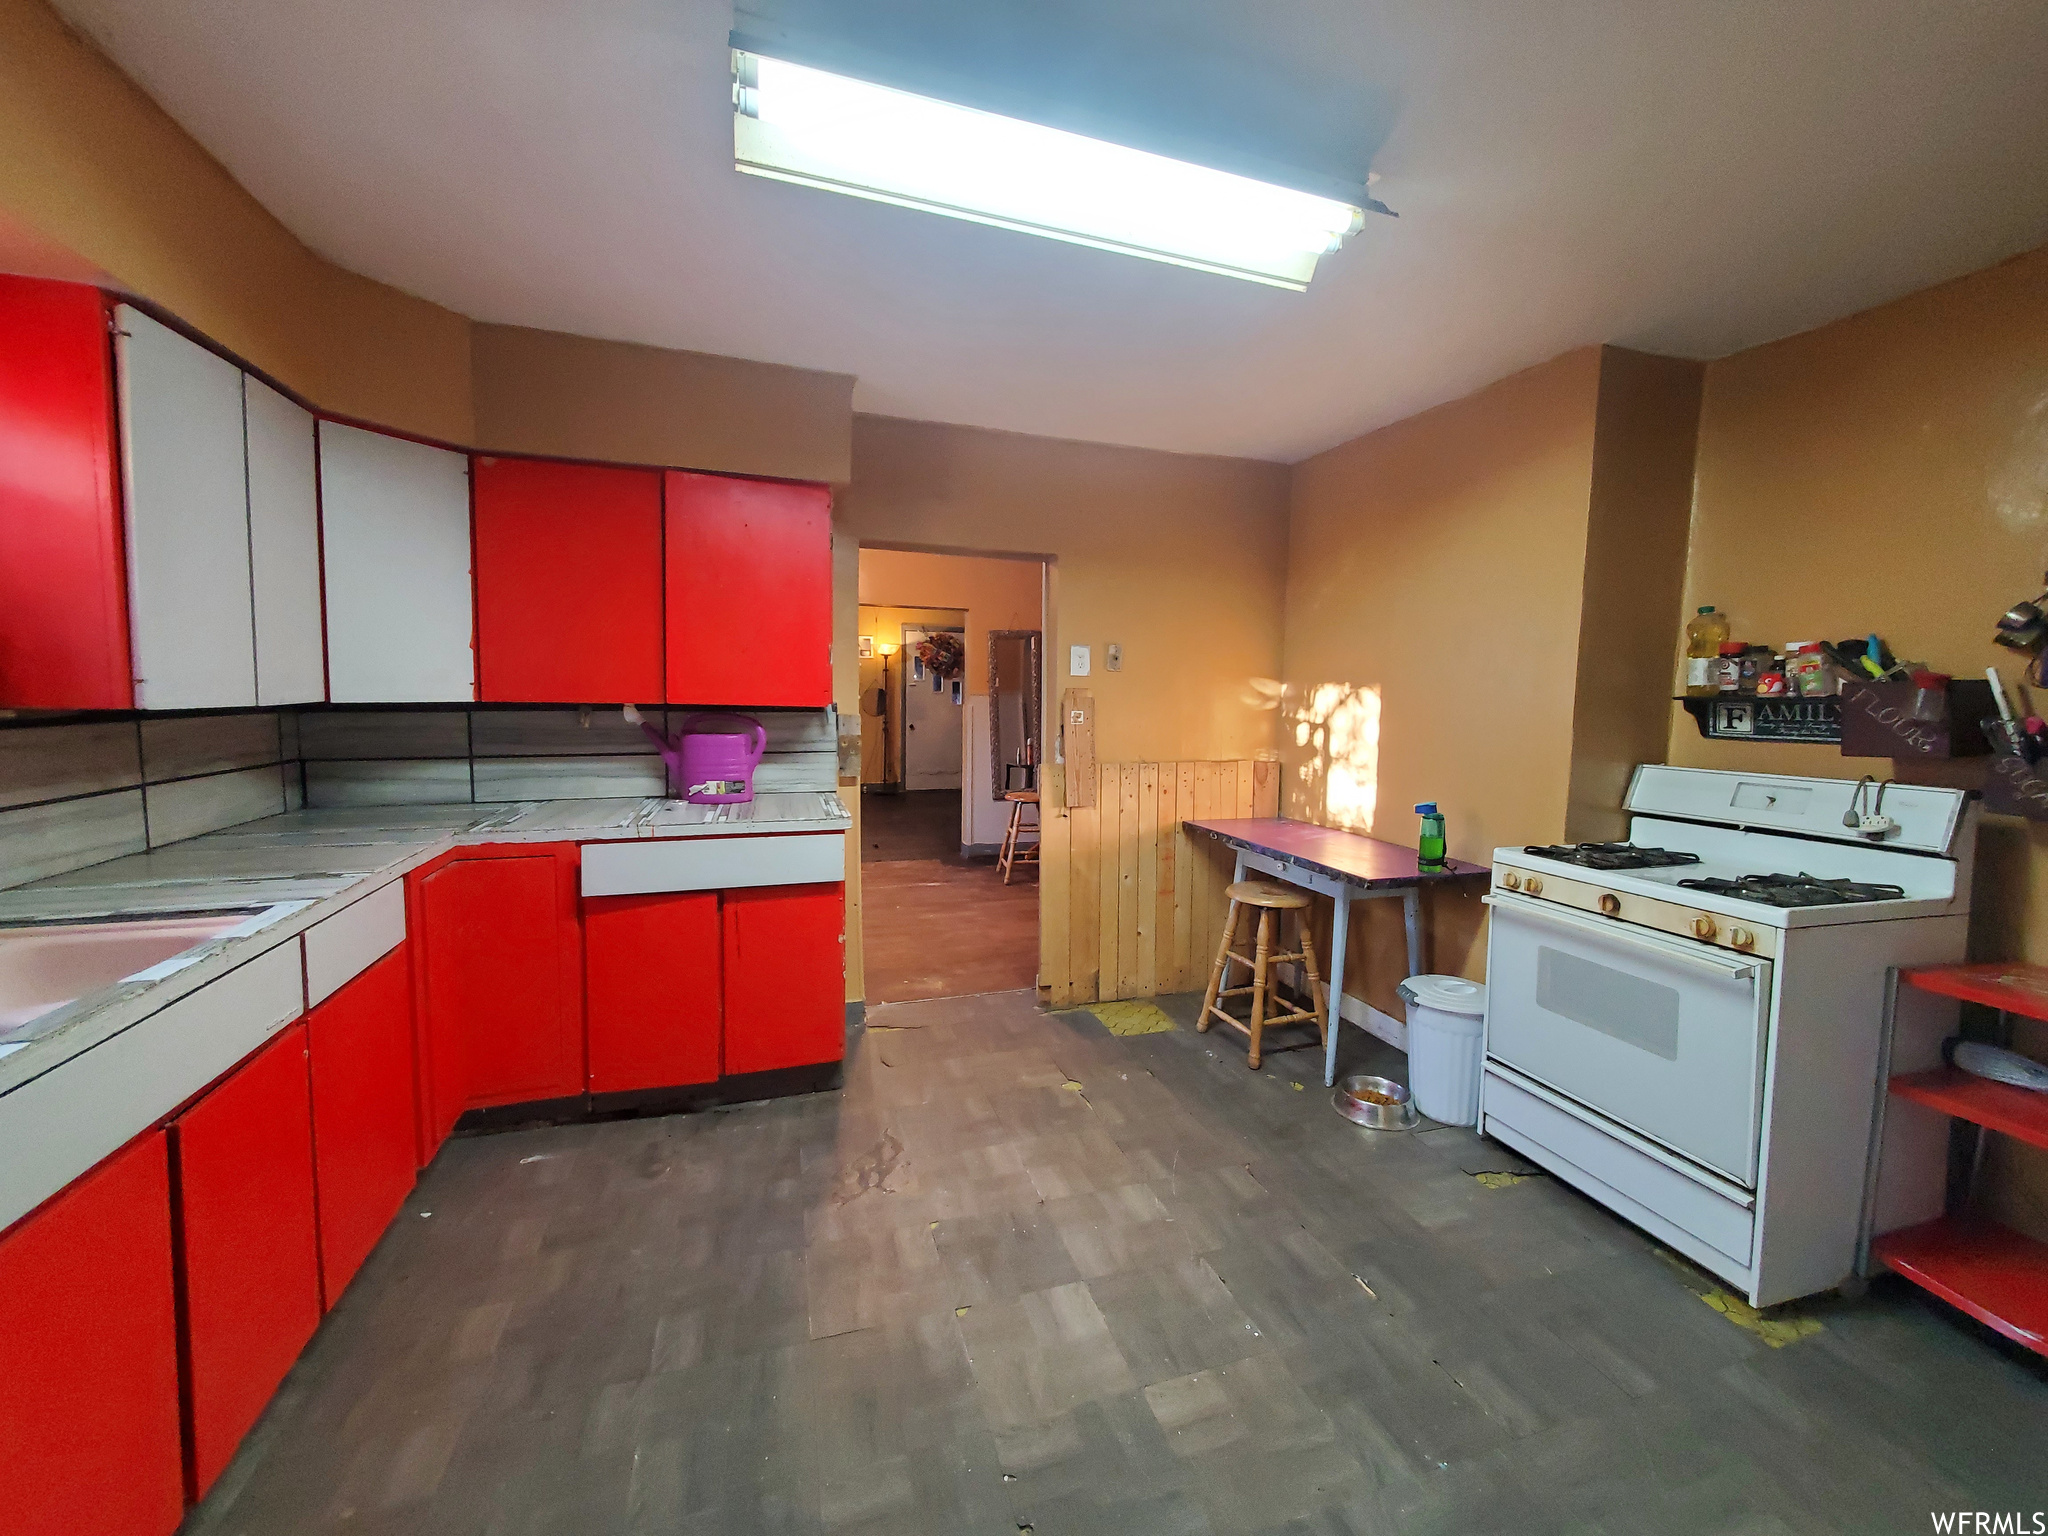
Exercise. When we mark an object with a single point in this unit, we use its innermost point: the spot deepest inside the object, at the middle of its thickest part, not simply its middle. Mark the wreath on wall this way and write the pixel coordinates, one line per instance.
(942, 655)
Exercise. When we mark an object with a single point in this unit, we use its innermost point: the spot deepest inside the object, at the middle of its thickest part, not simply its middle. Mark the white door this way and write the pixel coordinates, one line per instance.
(185, 481)
(1661, 1034)
(284, 548)
(932, 738)
(395, 517)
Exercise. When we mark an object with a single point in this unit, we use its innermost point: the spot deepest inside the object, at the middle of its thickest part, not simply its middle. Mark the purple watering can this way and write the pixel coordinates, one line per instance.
(710, 766)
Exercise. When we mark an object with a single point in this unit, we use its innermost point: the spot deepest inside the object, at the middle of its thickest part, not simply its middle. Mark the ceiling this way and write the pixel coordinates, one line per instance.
(1682, 178)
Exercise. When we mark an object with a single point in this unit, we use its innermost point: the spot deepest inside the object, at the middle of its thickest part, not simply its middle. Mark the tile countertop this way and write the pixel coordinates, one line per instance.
(288, 872)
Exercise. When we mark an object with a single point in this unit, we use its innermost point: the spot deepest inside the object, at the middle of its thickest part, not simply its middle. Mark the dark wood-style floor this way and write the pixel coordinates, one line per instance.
(935, 922)
(1022, 1276)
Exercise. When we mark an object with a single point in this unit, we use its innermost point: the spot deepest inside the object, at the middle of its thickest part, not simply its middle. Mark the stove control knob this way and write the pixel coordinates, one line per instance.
(1610, 904)
(1704, 927)
(1533, 886)
(1742, 938)
(1511, 880)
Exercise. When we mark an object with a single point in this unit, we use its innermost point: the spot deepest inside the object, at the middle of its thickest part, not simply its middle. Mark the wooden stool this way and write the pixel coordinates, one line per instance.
(1274, 901)
(1015, 851)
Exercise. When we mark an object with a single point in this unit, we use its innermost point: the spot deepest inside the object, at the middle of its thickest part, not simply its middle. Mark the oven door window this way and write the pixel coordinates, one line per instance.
(1665, 1037)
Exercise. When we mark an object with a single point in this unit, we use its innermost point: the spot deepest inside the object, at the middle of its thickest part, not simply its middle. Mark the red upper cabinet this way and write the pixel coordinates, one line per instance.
(500, 954)
(568, 583)
(362, 1049)
(652, 989)
(749, 591)
(89, 1357)
(249, 1251)
(63, 585)
(785, 976)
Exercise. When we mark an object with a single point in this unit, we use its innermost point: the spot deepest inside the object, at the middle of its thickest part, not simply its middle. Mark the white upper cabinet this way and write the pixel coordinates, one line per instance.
(284, 548)
(186, 486)
(396, 520)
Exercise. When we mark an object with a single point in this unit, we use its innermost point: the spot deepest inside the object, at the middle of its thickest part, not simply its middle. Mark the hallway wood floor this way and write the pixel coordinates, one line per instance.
(935, 923)
(1024, 1276)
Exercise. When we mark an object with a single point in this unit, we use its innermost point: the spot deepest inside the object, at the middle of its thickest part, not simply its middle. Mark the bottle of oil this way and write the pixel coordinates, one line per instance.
(1429, 848)
(1704, 634)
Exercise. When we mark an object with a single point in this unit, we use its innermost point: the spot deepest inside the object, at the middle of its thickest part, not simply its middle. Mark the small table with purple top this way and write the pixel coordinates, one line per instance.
(1344, 866)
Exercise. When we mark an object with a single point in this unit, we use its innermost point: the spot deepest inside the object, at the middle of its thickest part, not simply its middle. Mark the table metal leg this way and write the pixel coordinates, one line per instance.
(1411, 913)
(1239, 873)
(1340, 924)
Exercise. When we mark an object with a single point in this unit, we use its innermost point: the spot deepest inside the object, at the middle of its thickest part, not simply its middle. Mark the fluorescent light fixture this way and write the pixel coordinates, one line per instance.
(803, 125)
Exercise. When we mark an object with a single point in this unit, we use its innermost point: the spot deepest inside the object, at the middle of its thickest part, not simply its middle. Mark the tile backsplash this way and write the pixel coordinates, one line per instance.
(400, 757)
(77, 793)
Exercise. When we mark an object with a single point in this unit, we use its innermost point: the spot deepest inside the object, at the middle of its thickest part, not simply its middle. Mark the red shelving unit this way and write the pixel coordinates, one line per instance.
(1989, 1271)
(1995, 1274)
(2017, 1112)
(2010, 987)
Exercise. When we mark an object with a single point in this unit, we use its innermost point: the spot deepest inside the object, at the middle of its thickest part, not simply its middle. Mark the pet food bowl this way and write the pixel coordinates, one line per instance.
(1377, 1103)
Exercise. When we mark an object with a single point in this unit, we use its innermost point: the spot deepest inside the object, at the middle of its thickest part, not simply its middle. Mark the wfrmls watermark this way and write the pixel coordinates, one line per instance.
(1990, 1522)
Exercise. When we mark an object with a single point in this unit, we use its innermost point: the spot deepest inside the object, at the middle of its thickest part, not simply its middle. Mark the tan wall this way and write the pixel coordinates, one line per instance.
(90, 165)
(1890, 472)
(577, 397)
(1433, 601)
(1179, 558)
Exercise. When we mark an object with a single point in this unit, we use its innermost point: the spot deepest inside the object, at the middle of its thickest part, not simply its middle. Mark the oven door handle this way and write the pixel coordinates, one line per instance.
(1726, 970)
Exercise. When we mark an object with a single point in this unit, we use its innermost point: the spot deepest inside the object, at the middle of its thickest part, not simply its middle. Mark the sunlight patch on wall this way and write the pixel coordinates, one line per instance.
(1338, 725)
(2019, 488)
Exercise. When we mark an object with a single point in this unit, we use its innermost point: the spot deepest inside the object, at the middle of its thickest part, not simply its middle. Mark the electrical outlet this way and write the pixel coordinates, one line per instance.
(1113, 658)
(1077, 661)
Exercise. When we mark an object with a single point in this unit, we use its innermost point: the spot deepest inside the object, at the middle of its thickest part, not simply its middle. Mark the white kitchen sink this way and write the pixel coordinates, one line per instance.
(44, 967)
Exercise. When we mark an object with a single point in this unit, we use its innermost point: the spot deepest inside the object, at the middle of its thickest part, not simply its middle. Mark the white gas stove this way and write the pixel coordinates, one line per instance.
(1689, 1027)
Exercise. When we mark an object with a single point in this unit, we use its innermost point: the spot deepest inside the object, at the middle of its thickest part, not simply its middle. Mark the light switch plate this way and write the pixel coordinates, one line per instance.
(1077, 661)
(1113, 659)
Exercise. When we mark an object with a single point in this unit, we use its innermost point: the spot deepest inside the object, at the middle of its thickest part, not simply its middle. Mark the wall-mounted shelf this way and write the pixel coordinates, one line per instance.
(1867, 719)
(1816, 722)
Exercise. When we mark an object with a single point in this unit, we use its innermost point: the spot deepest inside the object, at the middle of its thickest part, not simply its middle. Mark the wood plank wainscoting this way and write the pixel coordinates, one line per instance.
(1132, 906)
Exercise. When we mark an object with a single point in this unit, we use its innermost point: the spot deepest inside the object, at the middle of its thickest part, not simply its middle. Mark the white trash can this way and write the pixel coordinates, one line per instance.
(1446, 1028)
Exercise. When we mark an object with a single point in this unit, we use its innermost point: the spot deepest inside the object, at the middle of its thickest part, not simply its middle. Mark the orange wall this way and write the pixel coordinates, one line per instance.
(1432, 631)
(1890, 472)
(994, 594)
(881, 675)
(99, 184)
(1179, 558)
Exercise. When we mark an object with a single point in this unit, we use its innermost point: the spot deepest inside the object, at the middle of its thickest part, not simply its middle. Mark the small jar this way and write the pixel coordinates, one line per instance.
(1806, 670)
(1728, 670)
(1756, 660)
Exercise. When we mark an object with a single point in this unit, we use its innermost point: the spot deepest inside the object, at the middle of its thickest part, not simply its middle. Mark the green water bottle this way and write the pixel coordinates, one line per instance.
(1430, 851)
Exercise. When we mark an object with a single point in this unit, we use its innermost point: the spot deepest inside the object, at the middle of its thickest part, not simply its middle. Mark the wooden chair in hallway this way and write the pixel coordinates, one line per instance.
(1015, 850)
(1273, 902)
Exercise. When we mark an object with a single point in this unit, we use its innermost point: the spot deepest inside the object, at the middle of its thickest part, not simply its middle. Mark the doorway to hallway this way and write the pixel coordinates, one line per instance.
(946, 704)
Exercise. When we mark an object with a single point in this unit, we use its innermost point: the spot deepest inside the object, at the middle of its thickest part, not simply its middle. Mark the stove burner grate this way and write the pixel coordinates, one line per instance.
(1612, 856)
(1800, 890)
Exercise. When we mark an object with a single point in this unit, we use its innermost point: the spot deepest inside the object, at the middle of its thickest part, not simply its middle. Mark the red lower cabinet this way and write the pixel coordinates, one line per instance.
(362, 1048)
(500, 955)
(651, 990)
(249, 1258)
(785, 977)
(89, 1357)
